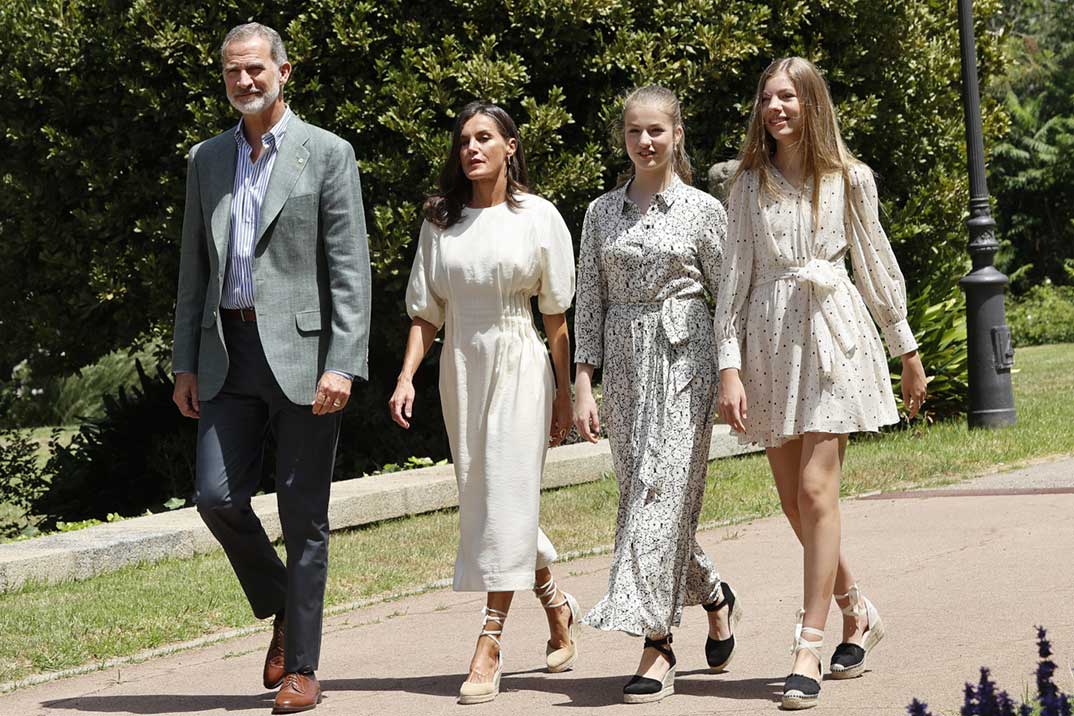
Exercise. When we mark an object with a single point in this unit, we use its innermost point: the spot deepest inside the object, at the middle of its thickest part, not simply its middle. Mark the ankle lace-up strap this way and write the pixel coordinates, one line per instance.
(857, 605)
(547, 594)
(813, 647)
(492, 615)
(663, 645)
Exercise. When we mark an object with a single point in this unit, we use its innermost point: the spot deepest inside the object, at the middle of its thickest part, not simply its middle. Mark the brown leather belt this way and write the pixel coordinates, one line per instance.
(239, 314)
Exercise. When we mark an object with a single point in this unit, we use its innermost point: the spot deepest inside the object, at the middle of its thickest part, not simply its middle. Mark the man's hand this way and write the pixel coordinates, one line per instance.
(185, 395)
(333, 392)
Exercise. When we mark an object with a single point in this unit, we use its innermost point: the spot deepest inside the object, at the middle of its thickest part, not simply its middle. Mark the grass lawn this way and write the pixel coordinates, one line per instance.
(46, 628)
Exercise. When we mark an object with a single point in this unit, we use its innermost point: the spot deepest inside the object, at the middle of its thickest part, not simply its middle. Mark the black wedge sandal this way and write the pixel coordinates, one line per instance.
(848, 659)
(643, 690)
(718, 652)
(801, 691)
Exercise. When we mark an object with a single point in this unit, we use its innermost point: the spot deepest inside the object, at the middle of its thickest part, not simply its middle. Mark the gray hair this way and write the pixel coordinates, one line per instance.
(256, 29)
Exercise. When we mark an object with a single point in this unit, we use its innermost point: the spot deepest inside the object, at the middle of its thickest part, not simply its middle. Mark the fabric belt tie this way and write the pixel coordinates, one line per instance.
(672, 321)
(824, 278)
(661, 374)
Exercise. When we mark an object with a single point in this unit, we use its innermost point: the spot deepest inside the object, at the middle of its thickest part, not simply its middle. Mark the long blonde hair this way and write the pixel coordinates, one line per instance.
(665, 99)
(823, 149)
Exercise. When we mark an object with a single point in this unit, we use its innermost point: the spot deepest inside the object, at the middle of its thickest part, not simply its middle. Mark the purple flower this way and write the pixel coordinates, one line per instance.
(984, 700)
(969, 706)
(918, 708)
(1047, 691)
(1005, 705)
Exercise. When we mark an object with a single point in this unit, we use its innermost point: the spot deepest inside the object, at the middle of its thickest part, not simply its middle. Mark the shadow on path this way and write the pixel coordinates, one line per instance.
(587, 692)
(164, 703)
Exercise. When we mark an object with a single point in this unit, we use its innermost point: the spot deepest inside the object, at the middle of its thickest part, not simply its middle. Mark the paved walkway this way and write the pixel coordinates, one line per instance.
(961, 578)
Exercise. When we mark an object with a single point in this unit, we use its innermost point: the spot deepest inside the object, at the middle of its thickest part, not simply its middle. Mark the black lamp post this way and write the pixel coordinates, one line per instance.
(990, 353)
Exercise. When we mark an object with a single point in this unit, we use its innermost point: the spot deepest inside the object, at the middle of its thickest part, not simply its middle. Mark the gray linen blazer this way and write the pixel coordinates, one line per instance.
(311, 263)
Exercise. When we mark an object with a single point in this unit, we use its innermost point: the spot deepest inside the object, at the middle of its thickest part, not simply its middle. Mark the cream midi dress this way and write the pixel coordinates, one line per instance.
(791, 320)
(476, 279)
(642, 316)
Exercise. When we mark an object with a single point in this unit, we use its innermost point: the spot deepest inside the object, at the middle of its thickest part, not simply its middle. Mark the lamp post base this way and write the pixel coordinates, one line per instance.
(997, 418)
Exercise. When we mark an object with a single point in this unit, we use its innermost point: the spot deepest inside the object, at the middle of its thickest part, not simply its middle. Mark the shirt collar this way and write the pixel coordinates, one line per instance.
(271, 138)
(664, 199)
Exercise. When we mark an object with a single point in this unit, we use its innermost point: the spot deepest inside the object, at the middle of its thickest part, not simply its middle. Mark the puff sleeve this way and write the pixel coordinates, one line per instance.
(423, 299)
(557, 264)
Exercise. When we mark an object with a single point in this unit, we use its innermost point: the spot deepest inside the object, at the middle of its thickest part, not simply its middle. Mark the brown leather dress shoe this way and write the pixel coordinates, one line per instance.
(274, 672)
(300, 692)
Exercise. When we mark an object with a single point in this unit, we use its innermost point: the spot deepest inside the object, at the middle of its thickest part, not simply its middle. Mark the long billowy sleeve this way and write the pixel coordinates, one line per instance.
(423, 299)
(590, 302)
(876, 271)
(732, 299)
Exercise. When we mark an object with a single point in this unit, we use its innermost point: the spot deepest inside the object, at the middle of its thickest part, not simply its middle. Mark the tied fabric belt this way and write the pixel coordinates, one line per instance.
(833, 322)
(673, 315)
(660, 376)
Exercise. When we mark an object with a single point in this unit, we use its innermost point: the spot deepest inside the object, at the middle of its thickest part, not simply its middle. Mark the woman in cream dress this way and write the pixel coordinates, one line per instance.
(801, 363)
(485, 249)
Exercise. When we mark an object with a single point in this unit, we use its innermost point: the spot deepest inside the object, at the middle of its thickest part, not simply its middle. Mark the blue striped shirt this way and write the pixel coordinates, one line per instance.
(247, 195)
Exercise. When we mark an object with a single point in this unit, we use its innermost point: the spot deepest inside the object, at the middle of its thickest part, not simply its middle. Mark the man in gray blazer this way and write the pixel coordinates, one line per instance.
(271, 327)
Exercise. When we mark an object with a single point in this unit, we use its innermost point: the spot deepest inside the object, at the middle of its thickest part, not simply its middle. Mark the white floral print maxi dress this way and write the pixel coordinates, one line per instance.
(642, 316)
(790, 319)
(476, 278)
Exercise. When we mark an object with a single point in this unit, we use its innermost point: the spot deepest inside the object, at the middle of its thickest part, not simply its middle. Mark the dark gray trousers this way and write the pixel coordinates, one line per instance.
(232, 432)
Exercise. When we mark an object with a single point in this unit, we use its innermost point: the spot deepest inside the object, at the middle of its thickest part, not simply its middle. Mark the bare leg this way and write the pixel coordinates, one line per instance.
(719, 621)
(559, 618)
(785, 462)
(808, 472)
(487, 654)
(653, 664)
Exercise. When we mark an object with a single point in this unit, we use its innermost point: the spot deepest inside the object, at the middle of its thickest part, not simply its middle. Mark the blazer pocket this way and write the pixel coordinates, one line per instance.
(308, 321)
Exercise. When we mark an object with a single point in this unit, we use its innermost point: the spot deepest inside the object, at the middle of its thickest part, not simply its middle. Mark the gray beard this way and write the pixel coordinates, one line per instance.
(263, 102)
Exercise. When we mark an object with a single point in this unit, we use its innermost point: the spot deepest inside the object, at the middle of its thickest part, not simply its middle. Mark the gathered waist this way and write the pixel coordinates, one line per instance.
(510, 311)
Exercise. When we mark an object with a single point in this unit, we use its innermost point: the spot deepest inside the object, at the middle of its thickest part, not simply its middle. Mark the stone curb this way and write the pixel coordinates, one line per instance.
(105, 548)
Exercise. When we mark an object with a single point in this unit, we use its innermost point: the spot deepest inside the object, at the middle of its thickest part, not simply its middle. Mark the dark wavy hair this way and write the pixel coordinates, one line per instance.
(444, 208)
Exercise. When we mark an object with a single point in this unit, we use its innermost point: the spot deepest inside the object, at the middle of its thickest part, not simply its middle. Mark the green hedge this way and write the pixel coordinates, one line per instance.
(101, 100)
(1045, 314)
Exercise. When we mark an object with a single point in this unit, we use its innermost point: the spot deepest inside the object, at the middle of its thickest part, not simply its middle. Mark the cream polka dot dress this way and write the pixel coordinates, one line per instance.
(790, 318)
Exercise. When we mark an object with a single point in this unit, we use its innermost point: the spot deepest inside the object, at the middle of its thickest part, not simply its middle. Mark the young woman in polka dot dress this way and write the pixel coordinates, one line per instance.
(801, 363)
(650, 252)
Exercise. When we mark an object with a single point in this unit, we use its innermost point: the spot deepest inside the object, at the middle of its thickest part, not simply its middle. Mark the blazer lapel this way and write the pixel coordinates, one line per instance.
(289, 165)
(222, 183)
